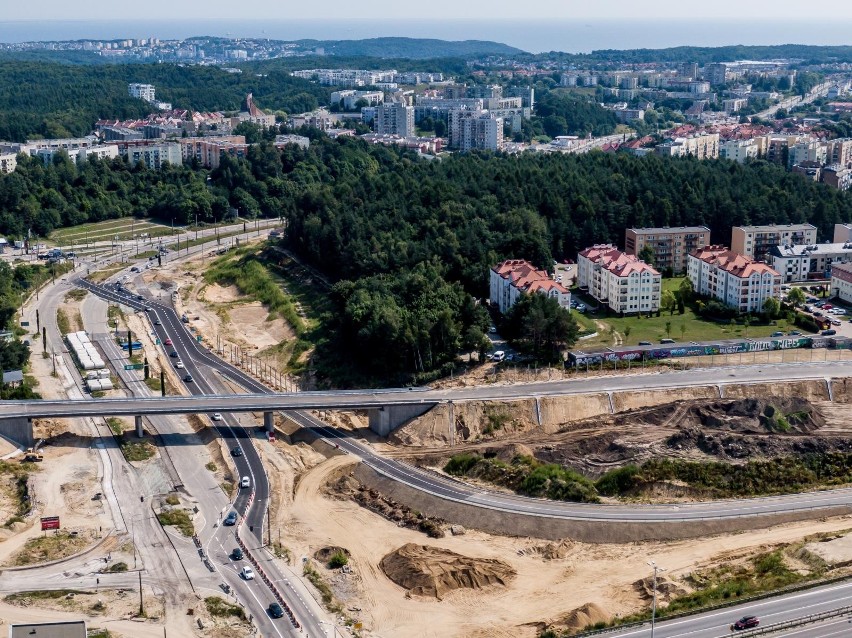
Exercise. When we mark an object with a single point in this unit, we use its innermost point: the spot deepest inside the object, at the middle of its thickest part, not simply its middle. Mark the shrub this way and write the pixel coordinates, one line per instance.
(338, 560)
(618, 481)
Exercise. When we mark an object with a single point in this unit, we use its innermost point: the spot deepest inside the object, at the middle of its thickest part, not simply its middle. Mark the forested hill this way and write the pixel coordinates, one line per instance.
(412, 48)
(59, 100)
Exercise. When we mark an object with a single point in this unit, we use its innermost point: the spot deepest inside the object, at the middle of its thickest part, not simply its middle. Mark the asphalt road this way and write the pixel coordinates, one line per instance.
(716, 624)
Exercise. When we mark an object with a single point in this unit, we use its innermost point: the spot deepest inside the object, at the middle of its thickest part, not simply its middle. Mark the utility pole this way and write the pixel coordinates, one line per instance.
(656, 569)
(141, 605)
(129, 344)
(162, 384)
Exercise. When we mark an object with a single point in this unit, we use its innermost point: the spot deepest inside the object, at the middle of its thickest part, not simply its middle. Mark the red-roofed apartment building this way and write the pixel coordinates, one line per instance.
(735, 280)
(623, 282)
(514, 277)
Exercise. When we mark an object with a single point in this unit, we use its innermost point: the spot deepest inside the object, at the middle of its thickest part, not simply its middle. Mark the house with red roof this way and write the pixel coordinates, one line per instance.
(734, 279)
(623, 282)
(515, 277)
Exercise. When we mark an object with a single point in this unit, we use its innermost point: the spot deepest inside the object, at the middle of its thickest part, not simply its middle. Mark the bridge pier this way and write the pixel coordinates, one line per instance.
(138, 422)
(18, 430)
(388, 418)
(269, 421)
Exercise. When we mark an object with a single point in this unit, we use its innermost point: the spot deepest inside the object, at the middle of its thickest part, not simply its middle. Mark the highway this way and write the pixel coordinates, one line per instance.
(716, 623)
(198, 359)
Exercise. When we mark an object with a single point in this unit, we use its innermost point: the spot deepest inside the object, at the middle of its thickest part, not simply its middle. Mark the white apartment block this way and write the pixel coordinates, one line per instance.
(733, 279)
(841, 282)
(839, 152)
(800, 263)
(475, 130)
(154, 157)
(623, 282)
(757, 242)
(515, 277)
(842, 233)
(734, 105)
(807, 151)
(739, 150)
(349, 99)
(346, 77)
(395, 119)
(8, 162)
(703, 146)
(142, 91)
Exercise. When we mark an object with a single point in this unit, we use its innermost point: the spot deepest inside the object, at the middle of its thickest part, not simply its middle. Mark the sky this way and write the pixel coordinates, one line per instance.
(396, 10)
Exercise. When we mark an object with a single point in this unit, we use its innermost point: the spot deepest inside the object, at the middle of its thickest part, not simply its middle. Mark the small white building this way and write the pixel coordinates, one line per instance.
(734, 279)
(515, 277)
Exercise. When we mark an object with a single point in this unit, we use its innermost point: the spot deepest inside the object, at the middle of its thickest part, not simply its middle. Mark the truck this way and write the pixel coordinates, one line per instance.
(32, 456)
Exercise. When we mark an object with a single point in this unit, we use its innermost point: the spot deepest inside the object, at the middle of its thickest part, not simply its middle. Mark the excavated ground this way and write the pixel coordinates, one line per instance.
(730, 430)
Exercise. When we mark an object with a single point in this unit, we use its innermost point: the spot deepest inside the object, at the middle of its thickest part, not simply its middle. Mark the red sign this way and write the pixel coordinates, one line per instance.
(49, 522)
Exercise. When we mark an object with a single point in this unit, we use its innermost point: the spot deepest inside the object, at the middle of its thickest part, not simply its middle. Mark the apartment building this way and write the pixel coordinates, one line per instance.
(349, 99)
(475, 130)
(142, 91)
(346, 77)
(739, 150)
(734, 105)
(757, 242)
(841, 282)
(515, 277)
(716, 74)
(703, 146)
(154, 156)
(671, 245)
(734, 279)
(395, 119)
(621, 281)
(8, 162)
(842, 233)
(811, 261)
(837, 176)
(805, 152)
(839, 153)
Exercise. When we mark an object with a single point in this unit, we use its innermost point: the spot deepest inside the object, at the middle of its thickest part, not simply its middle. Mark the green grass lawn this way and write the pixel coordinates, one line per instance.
(123, 228)
(685, 327)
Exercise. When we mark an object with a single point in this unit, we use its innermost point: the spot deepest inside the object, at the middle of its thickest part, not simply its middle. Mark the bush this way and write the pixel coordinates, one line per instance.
(222, 608)
(618, 481)
(461, 464)
(338, 560)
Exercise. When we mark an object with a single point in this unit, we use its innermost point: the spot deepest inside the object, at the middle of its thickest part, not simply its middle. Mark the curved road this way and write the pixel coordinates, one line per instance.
(197, 359)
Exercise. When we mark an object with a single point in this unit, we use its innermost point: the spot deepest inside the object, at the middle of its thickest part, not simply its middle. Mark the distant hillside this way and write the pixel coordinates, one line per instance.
(412, 48)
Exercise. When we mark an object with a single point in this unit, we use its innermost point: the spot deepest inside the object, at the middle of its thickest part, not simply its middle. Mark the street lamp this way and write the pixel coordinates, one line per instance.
(656, 569)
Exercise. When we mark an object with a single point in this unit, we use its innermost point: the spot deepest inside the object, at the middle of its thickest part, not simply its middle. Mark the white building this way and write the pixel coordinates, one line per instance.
(758, 241)
(739, 150)
(8, 162)
(298, 140)
(156, 156)
(142, 91)
(395, 119)
(842, 233)
(807, 151)
(470, 130)
(515, 277)
(349, 99)
(802, 262)
(623, 282)
(841, 282)
(733, 279)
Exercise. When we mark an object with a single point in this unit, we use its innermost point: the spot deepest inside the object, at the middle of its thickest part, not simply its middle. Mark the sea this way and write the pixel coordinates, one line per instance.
(535, 36)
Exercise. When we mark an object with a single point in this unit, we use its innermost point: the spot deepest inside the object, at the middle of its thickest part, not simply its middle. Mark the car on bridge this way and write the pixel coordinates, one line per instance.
(188, 378)
(230, 519)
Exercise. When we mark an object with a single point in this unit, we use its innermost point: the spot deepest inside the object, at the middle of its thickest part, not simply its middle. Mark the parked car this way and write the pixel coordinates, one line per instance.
(828, 333)
(827, 306)
(747, 622)
(237, 451)
(667, 341)
(835, 322)
(498, 356)
(581, 307)
(645, 343)
(492, 329)
(777, 333)
(794, 333)
(839, 311)
(245, 482)
(217, 416)
(237, 554)
(247, 573)
(275, 610)
(134, 269)
(168, 342)
(231, 518)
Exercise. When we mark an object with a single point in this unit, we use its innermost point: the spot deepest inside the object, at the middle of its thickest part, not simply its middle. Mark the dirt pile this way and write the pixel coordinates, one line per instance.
(551, 551)
(432, 571)
(788, 415)
(578, 619)
(666, 589)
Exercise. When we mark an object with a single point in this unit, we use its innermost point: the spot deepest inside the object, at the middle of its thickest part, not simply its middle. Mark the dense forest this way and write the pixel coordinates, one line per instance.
(410, 241)
(39, 99)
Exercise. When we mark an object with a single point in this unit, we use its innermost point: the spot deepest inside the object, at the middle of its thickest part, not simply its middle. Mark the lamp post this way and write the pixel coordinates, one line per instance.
(656, 569)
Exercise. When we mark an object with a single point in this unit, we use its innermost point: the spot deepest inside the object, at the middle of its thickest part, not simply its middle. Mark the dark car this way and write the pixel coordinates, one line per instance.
(828, 333)
(188, 378)
(231, 518)
(140, 297)
(777, 333)
(645, 343)
(275, 610)
(173, 354)
(746, 622)
(237, 554)
(237, 451)
(667, 341)
(794, 333)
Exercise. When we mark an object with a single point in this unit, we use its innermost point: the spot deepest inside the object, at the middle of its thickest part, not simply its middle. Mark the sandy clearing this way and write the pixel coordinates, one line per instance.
(604, 574)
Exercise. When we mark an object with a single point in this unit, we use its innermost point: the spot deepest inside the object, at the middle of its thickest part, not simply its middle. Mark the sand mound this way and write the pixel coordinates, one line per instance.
(580, 618)
(509, 452)
(431, 571)
(551, 551)
(666, 589)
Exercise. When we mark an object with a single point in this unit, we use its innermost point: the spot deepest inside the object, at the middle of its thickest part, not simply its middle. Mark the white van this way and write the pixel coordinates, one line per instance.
(498, 356)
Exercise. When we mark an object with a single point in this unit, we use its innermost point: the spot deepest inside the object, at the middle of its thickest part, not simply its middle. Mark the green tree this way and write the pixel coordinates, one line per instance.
(682, 330)
(686, 290)
(668, 302)
(538, 324)
(668, 328)
(647, 254)
(627, 330)
(796, 296)
(771, 308)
